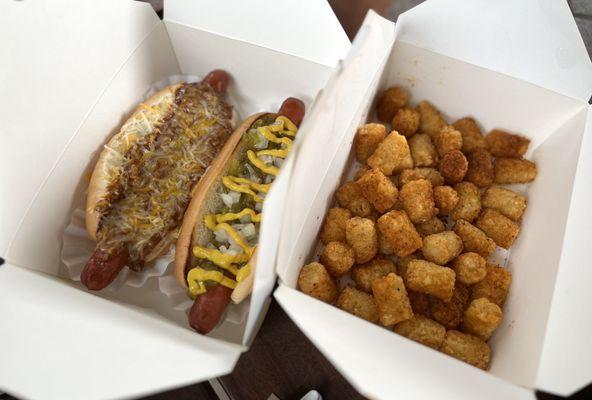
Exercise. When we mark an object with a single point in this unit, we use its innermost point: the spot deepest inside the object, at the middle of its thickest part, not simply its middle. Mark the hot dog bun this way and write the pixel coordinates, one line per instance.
(108, 167)
(205, 201)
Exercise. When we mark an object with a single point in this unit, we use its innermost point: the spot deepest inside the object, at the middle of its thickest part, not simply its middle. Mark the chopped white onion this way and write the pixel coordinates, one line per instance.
(278, 162)
(245, 219)
(266, 159)
(227, 199)
(235, 196)
(252, 174)
(248, 231)
(223, 249)
(259, 207)
(268, 179)
(221, 236)
(262, 142)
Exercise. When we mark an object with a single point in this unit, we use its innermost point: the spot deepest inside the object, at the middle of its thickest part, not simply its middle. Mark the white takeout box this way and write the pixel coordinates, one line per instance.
(71, 73)
(521, 66)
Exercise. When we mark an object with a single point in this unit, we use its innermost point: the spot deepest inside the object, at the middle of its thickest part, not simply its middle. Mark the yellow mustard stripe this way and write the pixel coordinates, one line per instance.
(243, 272)
(260, 187)
(222, 260)
(197, 276)
(236, 237)
(275, 153)
(268, 169)
(241, 188)
(233, 216)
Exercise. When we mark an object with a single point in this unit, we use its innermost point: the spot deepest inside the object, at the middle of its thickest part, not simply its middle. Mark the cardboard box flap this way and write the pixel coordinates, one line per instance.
(539, 39)
(566, 360)
(424, 374)
(130, 349)
(60, 57)
(287, 26)
(332, 119)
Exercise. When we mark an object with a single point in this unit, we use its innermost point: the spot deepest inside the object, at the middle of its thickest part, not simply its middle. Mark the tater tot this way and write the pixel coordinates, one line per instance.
(470, 268)
(501, 229)
(363, 275)
(406, 121)
(384, 247)
(418, 200)
(430, 121)
(480, 172)
(360, 234)
(450, 313)
(315, 281)
(338, 258)
(398, 230)
(471, 135)
(430, 174)
(420, 303)
(448, 139)
(367, 139)
(494, 286)
(403, 264)
(361, 171)
(512, 170)
(423, 151)
(358, 303)
(378, 190)
(474, 239)
(391, 155)
(481, 318)
(349, 196)
(469, 202)
(453, 166)
(334, 226)
(441, 248)
(467, 348)
(426, 277)
(389, 102)
(391, 299)
(505, 201)
(423, 330)
(445, 198)
(434, 225)
(505, 144)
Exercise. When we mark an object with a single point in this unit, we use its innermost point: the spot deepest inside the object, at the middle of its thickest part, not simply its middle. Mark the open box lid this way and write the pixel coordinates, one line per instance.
(62, 62)
(452, 21)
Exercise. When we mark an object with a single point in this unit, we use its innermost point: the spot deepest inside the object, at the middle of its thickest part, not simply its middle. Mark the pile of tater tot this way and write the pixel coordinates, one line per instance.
(409, 244)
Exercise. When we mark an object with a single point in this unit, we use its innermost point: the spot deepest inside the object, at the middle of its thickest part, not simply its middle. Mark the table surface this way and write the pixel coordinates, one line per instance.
(282, 361)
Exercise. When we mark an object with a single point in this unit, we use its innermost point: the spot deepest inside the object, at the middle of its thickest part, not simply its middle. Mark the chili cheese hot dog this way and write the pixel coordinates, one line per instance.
(145, 175)
(216, 250)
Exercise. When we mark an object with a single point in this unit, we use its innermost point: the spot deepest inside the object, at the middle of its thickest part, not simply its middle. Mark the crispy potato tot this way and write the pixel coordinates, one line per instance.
(501, 229)
(315, 281)
(434, 225)
(400, 233)
(430, 174)
(469, 202)
(441, 248)
(384, 247)
(338, 258)
(445, 198)
(423, 152)
(420, 303)
(505, 144)
(403, 263)
(495, 286)
(453, 166)
(406, 121)
(448, 139)
(349, 196)
(360, 234)
(470, 268)
(512, 170)
(472, 136)
(474, 239)
(361, 171)
(480, 172)
(450, 313)
(367, 139)
(391, 299)
(505, 201)
(392, 155)
(389, 102)
(358, 303)
(431, 120)
(363, 275)
(418, 200)
(378, 190)
(482, 318)
(334, 226)
(467, 348)
(426, 277)
(423, 330)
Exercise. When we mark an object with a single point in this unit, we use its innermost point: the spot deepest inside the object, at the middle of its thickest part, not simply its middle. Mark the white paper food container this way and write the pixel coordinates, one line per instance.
(71, 74)
(521, 66)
